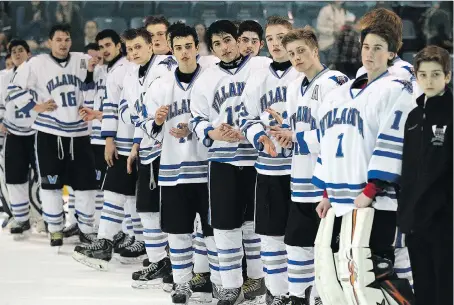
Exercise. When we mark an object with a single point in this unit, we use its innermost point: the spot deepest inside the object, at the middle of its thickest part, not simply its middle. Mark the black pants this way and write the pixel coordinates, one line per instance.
(431, 253)
(19, 157)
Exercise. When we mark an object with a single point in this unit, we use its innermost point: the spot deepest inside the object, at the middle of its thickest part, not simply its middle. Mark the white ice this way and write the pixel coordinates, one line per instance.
(32, 273)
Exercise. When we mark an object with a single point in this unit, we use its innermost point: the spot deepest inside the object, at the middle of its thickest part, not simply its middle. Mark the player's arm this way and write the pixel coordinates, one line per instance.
(90, 91)
(157, 111)
(318, 179)
(200, 110)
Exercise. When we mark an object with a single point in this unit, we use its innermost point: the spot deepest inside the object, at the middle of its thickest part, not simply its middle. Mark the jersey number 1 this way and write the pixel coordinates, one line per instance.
(339, 152)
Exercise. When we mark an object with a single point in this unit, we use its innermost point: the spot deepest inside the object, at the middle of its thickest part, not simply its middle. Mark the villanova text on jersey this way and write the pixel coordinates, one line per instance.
(303, 115)
(234, 89)
(350, 116)
(64, 80)
(174, 111)
(278, 96)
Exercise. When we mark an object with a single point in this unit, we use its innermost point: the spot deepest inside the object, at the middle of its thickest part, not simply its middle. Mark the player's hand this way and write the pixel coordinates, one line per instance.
(362, 201)
(275, 115)
(3, 129)
(282, 135)
(132, 157)
(89, 114)
(92, 62)
(230, 134)
(323, 207)
(268, 145)
(161, 115)
(110, 151)
(50, 105)
(182, 131)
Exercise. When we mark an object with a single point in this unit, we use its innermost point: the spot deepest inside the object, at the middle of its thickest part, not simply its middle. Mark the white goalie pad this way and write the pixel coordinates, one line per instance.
(326, 281)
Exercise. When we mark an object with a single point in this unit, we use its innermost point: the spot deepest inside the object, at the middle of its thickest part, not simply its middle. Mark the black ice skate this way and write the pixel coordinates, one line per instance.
(118, 238)
(56, 239)
(153, 275)
(134, 253)
(181, 294)
(71, 230)
(146, 262)
(254, 291)
(298, 301)
(20, 229)
(127, 241)
(279, 300)
(201, 287)
(87, 238)
(230, 296)
(96, 255)
(167, 283)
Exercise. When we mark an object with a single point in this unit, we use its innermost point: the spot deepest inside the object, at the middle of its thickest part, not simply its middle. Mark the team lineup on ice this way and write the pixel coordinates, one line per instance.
(226, 179)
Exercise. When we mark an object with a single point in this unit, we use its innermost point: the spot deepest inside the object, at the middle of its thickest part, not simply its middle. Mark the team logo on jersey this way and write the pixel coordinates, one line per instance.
(169, 62)
(98, 175)
(315, 93)
(83, 64)
(439, 135)
(339, 79)
(52, 179)
(407, 85)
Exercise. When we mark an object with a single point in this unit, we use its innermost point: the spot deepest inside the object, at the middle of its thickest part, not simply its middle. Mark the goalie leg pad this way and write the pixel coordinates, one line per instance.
(325, 268)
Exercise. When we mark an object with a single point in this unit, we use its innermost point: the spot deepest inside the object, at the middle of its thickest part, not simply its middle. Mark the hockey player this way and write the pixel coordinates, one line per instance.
(119, 186)
(426, 198)
(157, 26)
(306, 92)
(183, 169)
(20, 152)
(266, 92)
(403, 70)
(399, 67)
(250, 38)
(147, 151)
(215, 105)
(62, 140)
(361, 135)
(9, 62)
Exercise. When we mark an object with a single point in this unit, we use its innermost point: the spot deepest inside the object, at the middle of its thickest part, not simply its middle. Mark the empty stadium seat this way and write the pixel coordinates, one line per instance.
(252, 10)
(137, 22)
(409, 31)
(277, 8)
(174, 8)
(117, 24)
(91, 9)
(211, 8)
(131, 9)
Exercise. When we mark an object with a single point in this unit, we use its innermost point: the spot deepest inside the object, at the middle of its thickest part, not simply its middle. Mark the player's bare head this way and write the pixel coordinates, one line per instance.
(158, 26)
(92, 49)
(378, 47)
(9, 62)
(60, 40)
(380, 16)
(222, 38)
(109, 44)
(275, 30)
(250, 38)
(138, 45)
(185, 44)
(171, 28)
(19, 50)
(302, 48)
(433, 69)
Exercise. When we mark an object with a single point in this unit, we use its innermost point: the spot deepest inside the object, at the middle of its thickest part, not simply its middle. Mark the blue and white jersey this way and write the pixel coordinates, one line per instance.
(304, 99)
(15, 121)
(216, 99)
(182, 160)
(267, 89)
(137, 89)
(51, 80)
(361, 139)
(95, 93)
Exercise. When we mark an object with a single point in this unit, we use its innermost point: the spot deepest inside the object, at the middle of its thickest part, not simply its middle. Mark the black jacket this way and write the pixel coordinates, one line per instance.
(427, 164)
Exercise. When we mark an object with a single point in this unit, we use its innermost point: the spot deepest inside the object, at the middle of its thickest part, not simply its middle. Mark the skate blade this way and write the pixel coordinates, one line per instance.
(132, 260)
(153, 284)
(201, 297)
(21, 236)
(255, 301)
(97, 264)
(57, 249)
(167, 287)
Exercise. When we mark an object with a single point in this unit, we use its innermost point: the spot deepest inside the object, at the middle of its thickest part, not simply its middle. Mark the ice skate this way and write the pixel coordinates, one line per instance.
(96, 255)
(152, 276)
(230, 296)
(201, 287)
(56, 241)
(20, 230)
(181, 294)
(127, 241)
(254, 291)
(134, 253)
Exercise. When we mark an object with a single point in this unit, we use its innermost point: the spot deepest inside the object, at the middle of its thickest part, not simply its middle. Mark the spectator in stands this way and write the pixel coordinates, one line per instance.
(201, 29)
(157, 26)
(345, 54)
(250, 38)
(35, 24)
(330, 21)
(5, 26)
(69, 12)
(90, 31)
(437, 27)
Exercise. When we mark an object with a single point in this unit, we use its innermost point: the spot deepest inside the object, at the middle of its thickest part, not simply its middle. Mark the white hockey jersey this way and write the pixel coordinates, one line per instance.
(304, 99)
(137, 88)
(267, 89)
(207, 61)
(95, 93)
(16, 121)
(400, 69)
(63, 83)
(216, 99)
(182, 160)
(361, 134)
